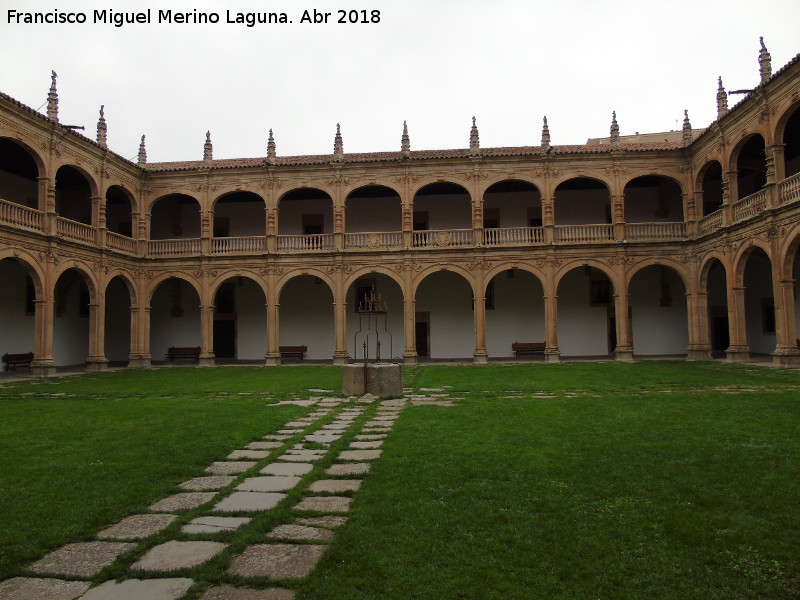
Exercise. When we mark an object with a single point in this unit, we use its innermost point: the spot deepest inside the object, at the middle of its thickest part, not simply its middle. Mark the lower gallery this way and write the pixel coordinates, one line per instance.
(677, 244)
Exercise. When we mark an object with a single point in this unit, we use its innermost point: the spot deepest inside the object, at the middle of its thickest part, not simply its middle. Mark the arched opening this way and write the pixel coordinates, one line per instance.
(717, 300)
(119, 211)
(514, 312)
(712, 187)
(240, 321)
(659, 321)
(305, 221)
(582, 201)
(791, 144)
(306, 316)
(175, 216)
(372, 323)
(73, 195)
(174, 318)
(586, 313)
(71, 326)
(444, 320)
(796, 277)
(118, 322)
(17, 308)
(759, 303)
(18, 174)
(373, 209)
(751, 167)
(442, 215)
(512, 213)
(653, 199)
(240, 214)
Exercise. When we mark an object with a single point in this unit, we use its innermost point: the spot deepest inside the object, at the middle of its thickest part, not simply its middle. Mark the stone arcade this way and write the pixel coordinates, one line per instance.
(676, 244)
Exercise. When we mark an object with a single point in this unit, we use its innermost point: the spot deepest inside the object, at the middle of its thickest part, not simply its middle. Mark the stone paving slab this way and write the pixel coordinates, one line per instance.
(372, 436)
(277, 561)
(230, 468)
(289, 432)
(359, 454)
(348, 469)
(268, 483)
(137, 527)
(296, 425)
(329, 504)
(240, 454)
(228, 592)
(328, 521)
(214, 524)
(373, 429)
(384, 417)
(277, 437)
(334, 486)
(363, 445)
(182, 501)
(336, 426)
(322, 438)
(295, 402)
(300, 456)
(138, 589)
(263, 445)
(174, 555)
(287, 469)
(83, 559)
(215, 482)
(300, 532)
(31, 588)
(249, 502)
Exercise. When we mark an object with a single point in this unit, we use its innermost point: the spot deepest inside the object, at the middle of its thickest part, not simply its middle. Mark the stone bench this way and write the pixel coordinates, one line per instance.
(520, 348)
(192, 352)
(12, 361)
(298, 352)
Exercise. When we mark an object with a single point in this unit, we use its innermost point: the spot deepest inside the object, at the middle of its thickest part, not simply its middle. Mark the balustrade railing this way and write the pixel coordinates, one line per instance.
(73, 230)
(121, 243)
(655, 231)
(187, 247)
(789, 189)
(383, 240)
(20, 216)
(442, 238)
(750, 206)
(239, 245)
(584, 233)
(711, 222)
(513, 236)
(305, 243)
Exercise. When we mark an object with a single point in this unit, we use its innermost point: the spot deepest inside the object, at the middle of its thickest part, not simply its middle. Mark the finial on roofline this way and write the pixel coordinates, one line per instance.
(614, 130)
(52, 99)
(338, 144)
(142, 153)
(764, 62)
(271, 150)
(405, 142)
(545, 137)
(687, 129)
(474, 139)
(208, 149)
(722, 99)
(102, 128)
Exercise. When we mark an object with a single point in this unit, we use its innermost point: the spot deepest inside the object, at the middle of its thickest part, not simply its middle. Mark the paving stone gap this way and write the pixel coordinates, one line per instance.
(174, 555)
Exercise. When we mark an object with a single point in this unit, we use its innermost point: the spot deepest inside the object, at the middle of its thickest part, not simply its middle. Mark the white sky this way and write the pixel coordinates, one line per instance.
(434, 63)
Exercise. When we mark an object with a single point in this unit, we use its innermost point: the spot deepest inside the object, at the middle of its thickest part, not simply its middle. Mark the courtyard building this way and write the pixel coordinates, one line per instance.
(679, 244)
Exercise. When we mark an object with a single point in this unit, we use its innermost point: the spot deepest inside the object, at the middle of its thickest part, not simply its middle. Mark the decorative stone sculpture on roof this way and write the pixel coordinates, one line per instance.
(142, 153)
(722, 100)
(208, 149)
(614, 130)
(474, 139)
(545, 137)
(764, 62)
(102, 129)
(687, 129)
(405, 142)
(271, 150)
(52, 99)
(338, 144)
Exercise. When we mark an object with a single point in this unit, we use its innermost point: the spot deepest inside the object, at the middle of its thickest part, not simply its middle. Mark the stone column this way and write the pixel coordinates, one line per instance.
(206, 231)
(697, 313)
(273, 357)
(618, 216)
(408, 225)
(548, 218)
(140, 335)
(207, 358)
(338, 224)
(738, 351)
(99, 221)
(551, 352)
(97, 361)
(134, 327)
(43, 364)
(480, 356)
(730, 194)
(624, 350)
(340, 328)
(43, 194)
(144, 233)
(772, 181)
(786, 351)
(409, 324)
(272, 229)
(776, 151)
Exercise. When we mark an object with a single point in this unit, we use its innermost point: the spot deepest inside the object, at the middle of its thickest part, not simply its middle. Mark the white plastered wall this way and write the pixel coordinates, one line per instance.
(306, 317)
(118, 321)
(448, 298)
(245, 218)
(290, 216)
(513, 207)
(163, 219)
(582, 328)
(373, 215)
(446, 211)
(16, 327)
(758, 289)
(657, 329)
(390, 294)
(518, 313)
(251, 321)
(577, 207)
(167, 330)
(70, 329)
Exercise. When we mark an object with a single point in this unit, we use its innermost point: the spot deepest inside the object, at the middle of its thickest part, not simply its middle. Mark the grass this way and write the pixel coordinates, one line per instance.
(579, 480)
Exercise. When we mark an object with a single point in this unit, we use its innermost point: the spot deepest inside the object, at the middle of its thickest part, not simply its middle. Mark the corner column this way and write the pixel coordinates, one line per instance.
(97, 361)
(786, 351)
(42, 364)
(738, 350)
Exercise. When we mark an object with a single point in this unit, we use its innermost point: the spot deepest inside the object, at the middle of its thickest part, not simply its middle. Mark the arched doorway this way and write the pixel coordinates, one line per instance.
(711, 185)
(751, 167)
(175, 216)
(373, 218)
(514, 312)
(17, 308)
(586, 313)
(240, 320)
(759, 303)
(653, 199)
(174, 317)
(18, 175)
(240, 214)
(118, 321)
(442, 215)
(73, 195)
(659, 319)
(71, 318)
(444, 320)
(716, 289)
(791, 144)
(306, 316)
(119, 218)
(365, 327)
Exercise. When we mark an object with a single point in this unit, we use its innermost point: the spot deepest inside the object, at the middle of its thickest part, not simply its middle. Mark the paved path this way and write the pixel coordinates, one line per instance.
(232, 492)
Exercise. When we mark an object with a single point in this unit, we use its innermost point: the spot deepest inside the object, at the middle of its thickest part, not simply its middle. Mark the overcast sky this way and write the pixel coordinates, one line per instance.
(434, 63)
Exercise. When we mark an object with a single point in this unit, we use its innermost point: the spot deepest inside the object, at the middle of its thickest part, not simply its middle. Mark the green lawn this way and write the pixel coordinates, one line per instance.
(596, 480)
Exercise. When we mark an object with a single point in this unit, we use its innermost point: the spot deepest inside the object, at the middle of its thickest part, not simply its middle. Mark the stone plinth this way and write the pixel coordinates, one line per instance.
(384, 380)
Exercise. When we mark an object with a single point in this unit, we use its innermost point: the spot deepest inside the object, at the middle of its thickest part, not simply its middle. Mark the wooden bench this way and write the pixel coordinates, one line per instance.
(192, 352)
(298, 352)
(520, 348)
(13, 361)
